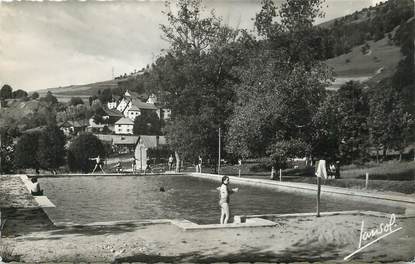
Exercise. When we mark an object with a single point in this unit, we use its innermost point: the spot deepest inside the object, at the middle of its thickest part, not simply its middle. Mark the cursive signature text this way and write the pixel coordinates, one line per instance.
(383, 230)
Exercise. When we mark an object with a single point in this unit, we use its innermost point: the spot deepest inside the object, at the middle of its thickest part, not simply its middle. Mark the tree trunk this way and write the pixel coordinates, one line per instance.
(176, 154)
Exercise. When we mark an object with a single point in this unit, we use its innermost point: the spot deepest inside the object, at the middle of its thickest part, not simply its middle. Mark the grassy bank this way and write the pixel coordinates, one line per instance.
(385, 171)
(388, 176)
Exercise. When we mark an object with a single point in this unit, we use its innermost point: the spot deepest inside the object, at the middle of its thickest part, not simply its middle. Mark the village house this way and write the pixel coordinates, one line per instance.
(120, 144)
(74, 127)
(131, 106)
(109, 117)
(124, 126)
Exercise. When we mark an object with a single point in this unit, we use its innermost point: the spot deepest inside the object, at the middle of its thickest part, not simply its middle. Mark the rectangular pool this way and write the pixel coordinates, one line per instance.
(114, 198)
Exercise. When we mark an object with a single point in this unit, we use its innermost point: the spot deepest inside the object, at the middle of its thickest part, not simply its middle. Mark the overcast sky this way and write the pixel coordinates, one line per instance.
(51, 44)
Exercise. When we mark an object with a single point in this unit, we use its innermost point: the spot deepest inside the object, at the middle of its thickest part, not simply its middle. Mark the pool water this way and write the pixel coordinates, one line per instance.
(113, 198)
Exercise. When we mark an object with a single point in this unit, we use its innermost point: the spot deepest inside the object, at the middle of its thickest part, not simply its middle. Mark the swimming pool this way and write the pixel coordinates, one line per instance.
(114, 198)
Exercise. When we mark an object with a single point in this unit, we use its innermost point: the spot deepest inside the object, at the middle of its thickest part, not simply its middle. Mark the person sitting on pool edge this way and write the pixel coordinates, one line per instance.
(224, 192)
(35, 190)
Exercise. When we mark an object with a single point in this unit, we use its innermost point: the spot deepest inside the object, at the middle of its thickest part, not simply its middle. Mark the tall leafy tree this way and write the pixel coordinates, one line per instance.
(51, 148)
(281, 85)
(6, 92)
(193, 79)
(25, 154)
(353, 125)
(326, 134)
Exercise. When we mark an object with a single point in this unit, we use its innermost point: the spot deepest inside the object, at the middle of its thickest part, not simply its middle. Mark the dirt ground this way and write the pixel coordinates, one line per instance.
(298, 239)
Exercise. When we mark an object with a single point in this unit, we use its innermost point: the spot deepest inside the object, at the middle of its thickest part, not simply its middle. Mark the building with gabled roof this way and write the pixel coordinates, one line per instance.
(124, 126)
(133, 112)
(132, 106)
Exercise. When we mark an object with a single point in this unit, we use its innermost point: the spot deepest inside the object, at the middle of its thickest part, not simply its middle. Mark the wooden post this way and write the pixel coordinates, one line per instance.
(318, 195)
(367, 180)
(219, 154)
(280, 175)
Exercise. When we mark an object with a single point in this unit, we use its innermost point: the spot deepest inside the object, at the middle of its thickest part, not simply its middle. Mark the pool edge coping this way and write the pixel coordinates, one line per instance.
(404, 201)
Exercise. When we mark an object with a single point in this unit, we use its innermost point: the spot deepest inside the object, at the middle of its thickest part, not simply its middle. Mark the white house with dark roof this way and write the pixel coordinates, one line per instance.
(124, 126)
(131, 106)
(133, 112)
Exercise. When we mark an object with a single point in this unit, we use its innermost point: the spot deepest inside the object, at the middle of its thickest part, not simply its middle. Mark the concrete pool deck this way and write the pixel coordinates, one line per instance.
(329, 239)
(405, 201)
(266, 238)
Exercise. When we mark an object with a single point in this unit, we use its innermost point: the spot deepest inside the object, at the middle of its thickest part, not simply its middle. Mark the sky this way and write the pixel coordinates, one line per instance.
(52, 44)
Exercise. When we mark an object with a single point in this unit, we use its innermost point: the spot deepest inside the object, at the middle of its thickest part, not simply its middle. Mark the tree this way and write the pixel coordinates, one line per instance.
(51, 148)
(26, 149)
(49, 98)
(19, 94)
(76, 101)
(7, 148)
(187, 31)
(82, 148)
(281, 151)
(6, 92)
(105, 96)
(193, 78)
(148, 123)
(326, 139)
(35, 95)
(352, 106)
(282, 83)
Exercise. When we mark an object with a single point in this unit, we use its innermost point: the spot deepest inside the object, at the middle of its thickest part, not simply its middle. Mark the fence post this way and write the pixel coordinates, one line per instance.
(280, 175)
(318, 195)
(367, 180)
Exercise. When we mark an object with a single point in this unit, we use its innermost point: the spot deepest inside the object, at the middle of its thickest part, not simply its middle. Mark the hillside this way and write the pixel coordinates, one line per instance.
(379, 61)
(84, 91)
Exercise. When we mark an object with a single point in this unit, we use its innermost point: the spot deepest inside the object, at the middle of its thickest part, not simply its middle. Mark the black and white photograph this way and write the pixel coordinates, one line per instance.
(207, 131)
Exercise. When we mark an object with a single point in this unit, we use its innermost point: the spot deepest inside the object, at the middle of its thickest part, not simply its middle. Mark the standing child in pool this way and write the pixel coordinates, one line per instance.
(224, 192)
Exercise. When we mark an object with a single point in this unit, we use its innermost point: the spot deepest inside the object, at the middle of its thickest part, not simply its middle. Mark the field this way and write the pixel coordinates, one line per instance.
(378, 63)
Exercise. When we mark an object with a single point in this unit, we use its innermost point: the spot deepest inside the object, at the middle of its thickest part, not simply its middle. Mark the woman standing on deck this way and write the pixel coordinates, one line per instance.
(224, 192)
